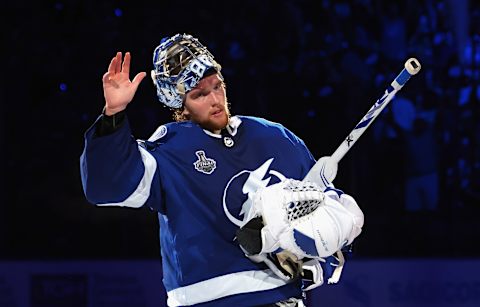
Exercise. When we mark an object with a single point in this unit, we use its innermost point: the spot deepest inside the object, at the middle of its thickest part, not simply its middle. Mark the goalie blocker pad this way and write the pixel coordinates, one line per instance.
(298, 217)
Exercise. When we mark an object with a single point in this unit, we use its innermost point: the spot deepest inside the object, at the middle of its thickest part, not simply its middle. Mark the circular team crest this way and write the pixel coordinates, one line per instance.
(162, 132)
(159, 133)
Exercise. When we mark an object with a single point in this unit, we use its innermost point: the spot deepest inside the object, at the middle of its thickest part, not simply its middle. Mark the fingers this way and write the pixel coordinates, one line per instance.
(116, 66)
(111, 66)
(106, 76)
(138, 78)
(126, 63)
(118, 62)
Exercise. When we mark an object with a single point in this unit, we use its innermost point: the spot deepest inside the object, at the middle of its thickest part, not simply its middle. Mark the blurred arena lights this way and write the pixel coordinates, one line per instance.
(63, 87)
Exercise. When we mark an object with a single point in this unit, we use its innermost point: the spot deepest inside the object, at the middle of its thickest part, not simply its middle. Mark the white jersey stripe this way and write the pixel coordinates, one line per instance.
(225, 285)
(141, 194)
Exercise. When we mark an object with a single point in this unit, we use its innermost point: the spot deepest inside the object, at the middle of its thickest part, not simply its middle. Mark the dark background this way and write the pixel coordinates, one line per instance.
(314, 66)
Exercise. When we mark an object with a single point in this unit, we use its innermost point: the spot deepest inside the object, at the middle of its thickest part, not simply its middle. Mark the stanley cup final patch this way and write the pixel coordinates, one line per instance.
(204, 164)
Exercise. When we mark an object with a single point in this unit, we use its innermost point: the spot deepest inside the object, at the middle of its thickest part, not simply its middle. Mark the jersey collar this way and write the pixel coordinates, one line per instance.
(231, 128)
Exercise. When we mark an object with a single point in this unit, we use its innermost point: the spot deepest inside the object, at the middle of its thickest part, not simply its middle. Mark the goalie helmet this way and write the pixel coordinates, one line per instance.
(179, 63)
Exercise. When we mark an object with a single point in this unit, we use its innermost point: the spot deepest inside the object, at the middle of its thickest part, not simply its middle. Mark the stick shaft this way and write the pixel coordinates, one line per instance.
(371, 115)
(325, 169)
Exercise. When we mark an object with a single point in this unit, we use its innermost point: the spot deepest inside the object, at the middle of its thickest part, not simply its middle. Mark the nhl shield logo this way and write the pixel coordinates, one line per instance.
(203, 164)
(228, 141)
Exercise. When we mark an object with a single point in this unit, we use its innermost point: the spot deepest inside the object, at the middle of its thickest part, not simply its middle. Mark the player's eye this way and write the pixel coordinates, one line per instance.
(196, 95)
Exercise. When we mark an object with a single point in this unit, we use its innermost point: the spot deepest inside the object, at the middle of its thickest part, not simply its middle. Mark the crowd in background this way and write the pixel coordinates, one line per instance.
(314, 66)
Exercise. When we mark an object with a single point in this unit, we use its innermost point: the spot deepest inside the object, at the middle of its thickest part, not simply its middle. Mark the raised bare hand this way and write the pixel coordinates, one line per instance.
(117, 87)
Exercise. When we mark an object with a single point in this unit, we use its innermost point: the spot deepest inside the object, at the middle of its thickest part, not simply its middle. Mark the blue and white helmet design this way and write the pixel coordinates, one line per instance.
(179, 63)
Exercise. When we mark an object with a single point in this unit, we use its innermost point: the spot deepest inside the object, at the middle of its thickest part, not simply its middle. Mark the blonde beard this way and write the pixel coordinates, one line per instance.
(211, 126)
(179, 116)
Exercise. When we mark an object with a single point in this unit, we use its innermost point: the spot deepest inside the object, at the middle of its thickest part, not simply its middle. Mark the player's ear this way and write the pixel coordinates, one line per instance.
(185, 112)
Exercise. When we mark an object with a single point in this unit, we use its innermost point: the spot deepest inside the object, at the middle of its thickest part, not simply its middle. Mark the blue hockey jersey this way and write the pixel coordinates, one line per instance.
(201, 185)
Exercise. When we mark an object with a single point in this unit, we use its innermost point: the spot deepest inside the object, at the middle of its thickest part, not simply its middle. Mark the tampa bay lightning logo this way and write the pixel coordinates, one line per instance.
(249, 182)
(159, 133)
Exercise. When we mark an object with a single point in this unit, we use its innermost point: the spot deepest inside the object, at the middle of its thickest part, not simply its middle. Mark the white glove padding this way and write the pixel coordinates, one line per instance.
(300, 219)
(351, 205)
(358, 218)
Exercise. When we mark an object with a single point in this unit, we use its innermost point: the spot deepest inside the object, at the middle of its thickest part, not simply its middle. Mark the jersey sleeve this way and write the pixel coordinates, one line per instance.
(116, 170)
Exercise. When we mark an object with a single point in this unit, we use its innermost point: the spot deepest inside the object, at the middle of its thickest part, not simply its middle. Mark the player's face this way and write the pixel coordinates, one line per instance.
(206, 104)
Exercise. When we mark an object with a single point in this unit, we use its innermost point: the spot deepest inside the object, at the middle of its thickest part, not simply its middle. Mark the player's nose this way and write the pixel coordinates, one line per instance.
(214, 98)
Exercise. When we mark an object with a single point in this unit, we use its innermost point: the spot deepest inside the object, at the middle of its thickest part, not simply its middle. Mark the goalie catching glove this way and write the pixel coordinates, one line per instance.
(298, 217)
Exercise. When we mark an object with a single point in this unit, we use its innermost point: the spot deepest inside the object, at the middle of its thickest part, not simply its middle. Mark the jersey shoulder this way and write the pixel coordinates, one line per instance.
(258, 122)
(269, 127)
(167, 131)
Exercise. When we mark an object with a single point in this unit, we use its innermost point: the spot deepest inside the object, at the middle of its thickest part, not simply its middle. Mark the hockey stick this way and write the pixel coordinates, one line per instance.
(325, 170)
